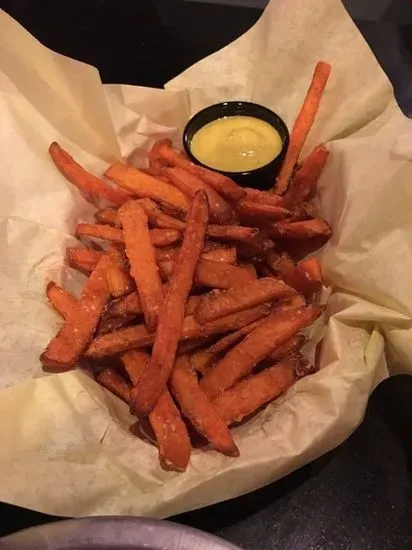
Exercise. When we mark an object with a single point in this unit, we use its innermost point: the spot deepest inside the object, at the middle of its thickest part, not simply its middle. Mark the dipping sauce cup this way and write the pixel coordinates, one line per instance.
(244, 141)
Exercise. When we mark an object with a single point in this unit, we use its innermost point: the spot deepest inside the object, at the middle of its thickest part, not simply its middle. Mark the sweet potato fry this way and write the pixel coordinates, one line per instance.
(171, 434)
(251, 394)
(263, 197)
(294, 276)
(65, 349)
(110, 379)
(164, 237)
(82, 259)
(232, 233)
(307, 229)
(220, 210)
(106, 232)
(111, 324)
(143, 267)
(135, 363)
(257, 345)
(222, 184)
(89, 185)
(198, 409)
(288, 348)
(127, 305)
(255, 212)
(144, 185)
(136, 337)
(159, 219)
(202, 359)
(107, 216)
(303, 124)
(226, 255)
(303, 184)
(119, 282)
(60, 299)
(303, 211)
(169, 331)
(220, 303)
(311, 266)
(233, 338)
(221, 275)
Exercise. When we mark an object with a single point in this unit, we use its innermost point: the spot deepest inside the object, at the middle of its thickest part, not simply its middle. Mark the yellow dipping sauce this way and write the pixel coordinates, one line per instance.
(236, 143)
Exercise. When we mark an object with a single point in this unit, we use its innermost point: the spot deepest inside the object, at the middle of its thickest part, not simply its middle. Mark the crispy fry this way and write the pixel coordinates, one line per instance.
(234, 337)
(82, 259)
(159, 219)
(89, 185)
(220, 210)
(198, 409)
(119, 282)
(255, 212)
(219, 303)
(249, 395)
(107, 216)
(303, 124)
(144, 185)
(60, 299)
(127, 305)
(136, 337)
(171, 434)
(159, 237)
(312, 267)
(304, 211)
(294, 276)
(222, 184)
(257, 345)
(233, 232)
(307, 229)
(303, 185)
(221, 275)
(143, 267)
(65, 349)
(288, 348)
(226, 255)
(135, 363)
(112, 381)
(110, 324)
(146, 393)
(202, 359)
(263, 197)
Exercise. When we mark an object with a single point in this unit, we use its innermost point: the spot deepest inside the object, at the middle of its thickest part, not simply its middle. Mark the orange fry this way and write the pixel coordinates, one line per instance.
(143, 267)
(255, 212)
(119, 282)
(198, 409)
(65, 349)
(159, 237)
(127, 305)
(303, 124)
(229, 340)
(226, 255)
(135, 363)
(159, 219)
(136, 337)
(112, 381)
(263, 197)
(233, 232)
(251, 394)
(60, 299)
(107, 216)
(224, 302)
(220, 210)
(294, 276)
(110, 324)
(169, 331)
(221, 275)
(82, 259)
(288, 348)
(307, 229)
(257, 345)
(303, 184)
(89, 185)
(164, 237)
(222, 184)
(202, 359)
(311, 266)
(144, 185)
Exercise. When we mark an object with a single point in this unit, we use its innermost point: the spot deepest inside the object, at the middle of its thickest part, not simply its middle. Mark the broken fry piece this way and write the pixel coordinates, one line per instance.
(60, 299)
(257, 345)
(143, 267)
(199, 410)
(219, 303)
(107, 216)
(153, 382)
(303, 124)
(82, 259)
(119, 282)
(65, 349)
(89, 185)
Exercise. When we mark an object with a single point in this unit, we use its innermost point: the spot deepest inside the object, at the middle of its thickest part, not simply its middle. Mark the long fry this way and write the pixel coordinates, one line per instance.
(65, 349)
(247, 396)
(219, 303)
(158, 218)
(108, 216)
(143, 267)
(222, 184)
(136, 337)
(82, 259)
(220, 210)
(146, 393)
(303, 124)
(307, 229)
(255, 212)
(112, 381)
(144, 185)
(60, 299)
(119, 282)
(256, 346)
(159, 237)
(198, 409)
(89, 185)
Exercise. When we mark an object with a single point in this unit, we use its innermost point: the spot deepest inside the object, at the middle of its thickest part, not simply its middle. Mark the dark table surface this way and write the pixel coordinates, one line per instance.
(360, 495)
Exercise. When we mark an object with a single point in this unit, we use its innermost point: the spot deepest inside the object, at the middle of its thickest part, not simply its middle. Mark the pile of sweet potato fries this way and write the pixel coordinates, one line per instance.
(192, 312)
